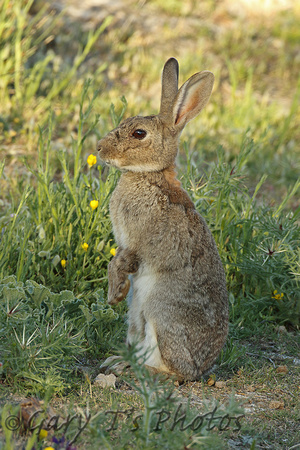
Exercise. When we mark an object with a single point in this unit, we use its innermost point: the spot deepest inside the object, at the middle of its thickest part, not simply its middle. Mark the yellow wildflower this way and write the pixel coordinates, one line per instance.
(85, 246)
(43, 434)
(63, 263)
(49, 448)
(94, 204)
(277, 296)
(113, 251)
(92, 159)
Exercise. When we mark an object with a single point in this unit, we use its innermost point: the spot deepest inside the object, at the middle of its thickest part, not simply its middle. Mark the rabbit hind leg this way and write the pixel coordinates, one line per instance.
(149, 353)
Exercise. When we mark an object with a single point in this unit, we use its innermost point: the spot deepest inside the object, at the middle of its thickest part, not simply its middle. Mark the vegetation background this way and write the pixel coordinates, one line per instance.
(69, 72)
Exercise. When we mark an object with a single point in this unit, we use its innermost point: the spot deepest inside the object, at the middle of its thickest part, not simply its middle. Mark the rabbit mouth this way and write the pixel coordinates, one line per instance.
(110, 163)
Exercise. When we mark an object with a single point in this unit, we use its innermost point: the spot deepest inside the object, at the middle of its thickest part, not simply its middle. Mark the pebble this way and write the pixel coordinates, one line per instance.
(103, 380)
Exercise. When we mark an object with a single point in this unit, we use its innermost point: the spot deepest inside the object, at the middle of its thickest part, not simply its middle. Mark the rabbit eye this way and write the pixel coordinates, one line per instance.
(139, 134)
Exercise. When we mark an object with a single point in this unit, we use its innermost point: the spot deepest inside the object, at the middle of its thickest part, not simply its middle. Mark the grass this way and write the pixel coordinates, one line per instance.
(60, 90)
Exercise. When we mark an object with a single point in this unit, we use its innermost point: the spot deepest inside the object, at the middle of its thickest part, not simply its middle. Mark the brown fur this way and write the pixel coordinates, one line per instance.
(179, 306)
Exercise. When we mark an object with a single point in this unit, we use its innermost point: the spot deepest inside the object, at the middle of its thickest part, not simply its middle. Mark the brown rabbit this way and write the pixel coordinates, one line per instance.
(179, 306)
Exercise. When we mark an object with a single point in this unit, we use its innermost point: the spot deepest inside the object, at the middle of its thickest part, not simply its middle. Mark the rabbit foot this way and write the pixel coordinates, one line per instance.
(113, 365)
(165, 375)
(109, 361)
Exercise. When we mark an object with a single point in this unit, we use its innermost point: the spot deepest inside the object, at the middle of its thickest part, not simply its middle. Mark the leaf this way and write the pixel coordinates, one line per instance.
(44, 254)
(212, 379)
(86, 312)
(12, 295)
(282, 369)
(42, 233)
(38, 293)
(56, 260)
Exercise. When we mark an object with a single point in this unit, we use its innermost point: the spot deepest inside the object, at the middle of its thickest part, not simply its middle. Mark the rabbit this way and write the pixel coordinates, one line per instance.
(178, 313)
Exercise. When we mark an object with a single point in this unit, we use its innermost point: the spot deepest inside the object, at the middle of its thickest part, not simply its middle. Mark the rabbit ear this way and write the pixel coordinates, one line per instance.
(169, 86)
(192, 97)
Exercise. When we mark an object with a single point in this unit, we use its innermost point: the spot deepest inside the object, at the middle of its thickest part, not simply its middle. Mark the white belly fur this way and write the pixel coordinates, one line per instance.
(143, 284)
(149, 351)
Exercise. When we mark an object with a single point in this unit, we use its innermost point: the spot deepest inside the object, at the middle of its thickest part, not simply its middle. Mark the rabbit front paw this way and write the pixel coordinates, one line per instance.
(118, 289)
(124, 263)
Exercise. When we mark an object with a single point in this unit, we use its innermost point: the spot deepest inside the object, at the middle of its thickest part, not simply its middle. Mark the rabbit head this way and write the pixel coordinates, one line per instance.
(147, 144)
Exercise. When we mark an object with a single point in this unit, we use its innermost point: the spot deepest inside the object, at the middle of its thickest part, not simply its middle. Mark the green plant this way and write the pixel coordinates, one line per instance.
(43, 333)
(258, 244)
(27, 83)
(55, 222)
(37, 338)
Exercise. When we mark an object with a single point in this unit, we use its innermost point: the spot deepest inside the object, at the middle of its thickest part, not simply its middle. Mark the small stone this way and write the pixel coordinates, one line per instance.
(282, 369)
(220, 384)
(276, 405)
(281, 329)
(106, 380)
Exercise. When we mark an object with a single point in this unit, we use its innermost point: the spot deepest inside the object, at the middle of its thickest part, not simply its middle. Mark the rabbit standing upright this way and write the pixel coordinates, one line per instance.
(179, 307)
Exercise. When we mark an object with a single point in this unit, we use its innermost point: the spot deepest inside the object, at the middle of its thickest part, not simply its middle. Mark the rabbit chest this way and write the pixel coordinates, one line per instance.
(136, 206)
